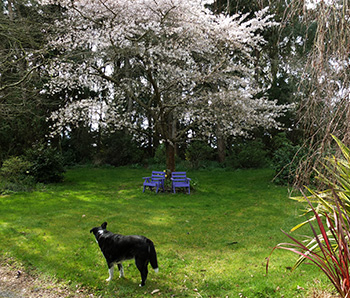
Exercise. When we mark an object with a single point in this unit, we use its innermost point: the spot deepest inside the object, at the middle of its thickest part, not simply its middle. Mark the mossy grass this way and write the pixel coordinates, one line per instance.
(212, 243)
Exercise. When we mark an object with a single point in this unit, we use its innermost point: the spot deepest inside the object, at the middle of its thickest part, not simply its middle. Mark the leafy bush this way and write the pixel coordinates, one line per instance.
(286, 160)
(252, 155)
(329, 249)
(332, 255)
(15, 168)
(16, 175)
(199, 153)
(160, 155)
(336, 176)
(248, 154)
(158, 161)
(47, 164)
(119, 150)
(40, 164)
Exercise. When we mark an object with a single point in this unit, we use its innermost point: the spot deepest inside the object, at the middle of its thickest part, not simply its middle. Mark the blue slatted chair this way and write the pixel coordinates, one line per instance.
(179, 179)
(156, 180)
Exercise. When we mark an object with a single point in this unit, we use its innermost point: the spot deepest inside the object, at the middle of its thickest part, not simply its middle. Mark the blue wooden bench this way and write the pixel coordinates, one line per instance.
(179, 179)
(156, 180)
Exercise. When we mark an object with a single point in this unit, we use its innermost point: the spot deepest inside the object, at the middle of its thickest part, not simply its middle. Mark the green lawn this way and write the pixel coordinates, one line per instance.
(48, 231)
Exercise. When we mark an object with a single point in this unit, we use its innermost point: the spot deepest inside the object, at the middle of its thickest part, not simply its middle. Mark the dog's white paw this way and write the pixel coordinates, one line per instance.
(156, 270)
(108, 279)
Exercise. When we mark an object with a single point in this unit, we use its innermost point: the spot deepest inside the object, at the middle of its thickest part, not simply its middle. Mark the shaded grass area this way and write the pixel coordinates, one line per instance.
(212, 243)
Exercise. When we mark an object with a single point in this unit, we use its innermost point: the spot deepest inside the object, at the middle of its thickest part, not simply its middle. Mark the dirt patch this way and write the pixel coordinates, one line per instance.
(15, 283)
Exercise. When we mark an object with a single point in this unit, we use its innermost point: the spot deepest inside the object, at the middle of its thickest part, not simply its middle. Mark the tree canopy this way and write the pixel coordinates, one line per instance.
(23, 109)
(107, 73)
(167, 70)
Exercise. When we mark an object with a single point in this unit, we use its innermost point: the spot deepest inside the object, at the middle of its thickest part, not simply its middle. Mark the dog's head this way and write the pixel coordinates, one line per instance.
(101, 228)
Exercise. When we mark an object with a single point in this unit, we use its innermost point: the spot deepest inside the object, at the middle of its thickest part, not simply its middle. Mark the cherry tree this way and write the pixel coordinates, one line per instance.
(168, 68)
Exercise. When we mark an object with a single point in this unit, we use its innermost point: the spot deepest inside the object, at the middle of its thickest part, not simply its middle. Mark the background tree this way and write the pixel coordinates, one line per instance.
(170, 68)
(23, 108)
(278, 63)
(325, 85)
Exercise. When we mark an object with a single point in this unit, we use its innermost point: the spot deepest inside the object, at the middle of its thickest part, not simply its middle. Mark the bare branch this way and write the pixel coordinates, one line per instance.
(21, 80)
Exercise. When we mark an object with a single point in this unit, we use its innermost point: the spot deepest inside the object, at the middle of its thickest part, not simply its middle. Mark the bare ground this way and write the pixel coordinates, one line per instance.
(15, 283)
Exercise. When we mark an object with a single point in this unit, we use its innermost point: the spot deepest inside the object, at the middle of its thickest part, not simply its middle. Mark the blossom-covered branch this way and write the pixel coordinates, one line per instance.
(166, 63)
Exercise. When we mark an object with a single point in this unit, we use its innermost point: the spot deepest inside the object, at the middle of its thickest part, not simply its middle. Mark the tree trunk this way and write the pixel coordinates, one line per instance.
(170, 143)
(221, 149)
(221, 144)
(170, 156)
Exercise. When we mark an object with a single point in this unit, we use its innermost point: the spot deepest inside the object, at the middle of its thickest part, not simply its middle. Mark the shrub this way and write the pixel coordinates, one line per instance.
(336, 176)
(119, 149)
(248, 154)
(47, 164)
(15, 168)
(285, 162)
(332, 255)
(16, 175)
(252, 155)
(286, 159)
(199, 153)
(330, 248)
(160, 155)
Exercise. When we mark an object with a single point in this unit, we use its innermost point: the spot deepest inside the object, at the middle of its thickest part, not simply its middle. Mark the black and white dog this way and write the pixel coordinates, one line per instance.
(118, 248)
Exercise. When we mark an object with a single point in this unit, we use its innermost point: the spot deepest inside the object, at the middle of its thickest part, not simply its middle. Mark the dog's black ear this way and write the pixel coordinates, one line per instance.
(104, 225)
(93, 230)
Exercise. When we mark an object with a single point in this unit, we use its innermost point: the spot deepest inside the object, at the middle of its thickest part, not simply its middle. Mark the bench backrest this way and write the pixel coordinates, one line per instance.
(179, 176)
(158, 175)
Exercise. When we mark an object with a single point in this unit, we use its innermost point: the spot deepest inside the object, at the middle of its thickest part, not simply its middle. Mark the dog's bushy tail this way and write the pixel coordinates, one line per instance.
(152, 255)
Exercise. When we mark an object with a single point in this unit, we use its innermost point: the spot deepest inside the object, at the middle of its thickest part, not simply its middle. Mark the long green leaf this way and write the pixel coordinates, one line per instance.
(345, 150)
(333, 260)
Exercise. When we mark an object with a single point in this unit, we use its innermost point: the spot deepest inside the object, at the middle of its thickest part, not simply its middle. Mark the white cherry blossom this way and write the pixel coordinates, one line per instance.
(165, 63)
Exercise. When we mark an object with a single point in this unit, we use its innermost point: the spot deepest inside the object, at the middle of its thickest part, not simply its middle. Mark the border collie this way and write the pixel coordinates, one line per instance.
(118, 248)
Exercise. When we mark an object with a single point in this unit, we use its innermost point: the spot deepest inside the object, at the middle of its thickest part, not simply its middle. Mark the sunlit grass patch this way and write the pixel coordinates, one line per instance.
(211, 243)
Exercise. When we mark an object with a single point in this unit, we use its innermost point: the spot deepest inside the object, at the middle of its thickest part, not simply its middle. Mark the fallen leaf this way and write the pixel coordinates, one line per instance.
(155, 291)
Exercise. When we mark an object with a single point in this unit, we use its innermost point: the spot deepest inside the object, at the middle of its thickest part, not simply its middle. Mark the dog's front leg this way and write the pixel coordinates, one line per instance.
(121, 270)
(110, 271)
